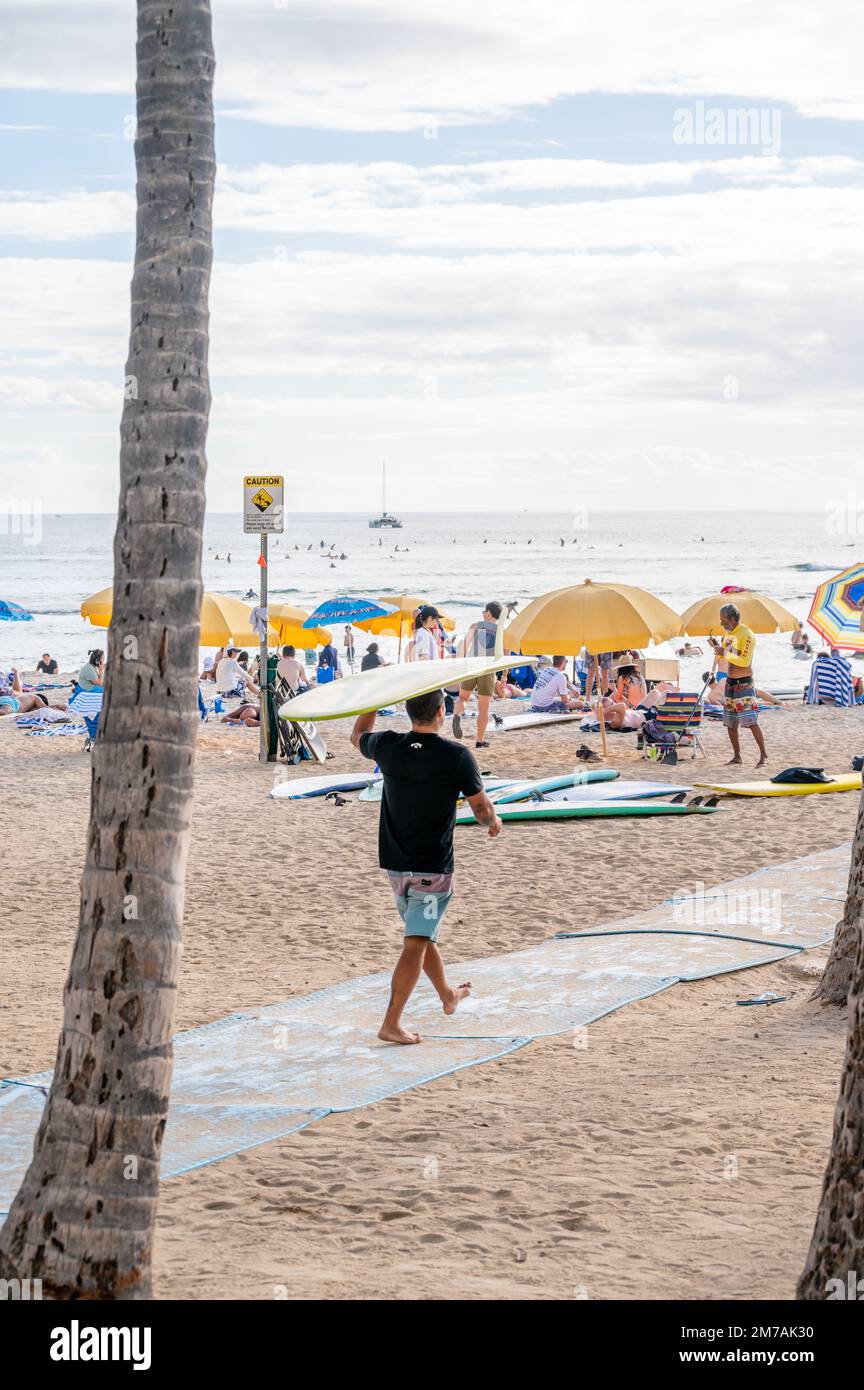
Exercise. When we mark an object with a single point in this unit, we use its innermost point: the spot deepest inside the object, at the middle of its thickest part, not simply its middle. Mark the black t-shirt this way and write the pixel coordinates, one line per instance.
(370, 662)
(49, 668)
(424, 776)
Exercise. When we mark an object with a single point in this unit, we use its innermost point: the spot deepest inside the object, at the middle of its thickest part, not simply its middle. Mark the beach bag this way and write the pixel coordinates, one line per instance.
(653, 732)
(858, 763)
(802, 774)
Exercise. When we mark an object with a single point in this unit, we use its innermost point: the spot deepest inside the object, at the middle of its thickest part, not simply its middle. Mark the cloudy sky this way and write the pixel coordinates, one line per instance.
(534, 256)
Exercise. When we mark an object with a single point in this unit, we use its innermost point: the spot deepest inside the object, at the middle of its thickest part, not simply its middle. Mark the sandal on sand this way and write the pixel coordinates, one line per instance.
(481, 743)
(457, 726)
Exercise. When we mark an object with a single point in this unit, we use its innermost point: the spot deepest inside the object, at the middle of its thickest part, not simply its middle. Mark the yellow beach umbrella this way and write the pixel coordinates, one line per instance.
(599, 617)
(222, 618)
(400, 623)
(288, 622)
(758, 612)
(98, 607)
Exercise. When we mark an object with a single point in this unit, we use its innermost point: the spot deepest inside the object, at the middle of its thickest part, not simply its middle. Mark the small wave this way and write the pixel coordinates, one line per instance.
(806, 569)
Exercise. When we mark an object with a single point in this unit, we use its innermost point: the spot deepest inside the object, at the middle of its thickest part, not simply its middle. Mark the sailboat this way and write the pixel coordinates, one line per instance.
(385, 520)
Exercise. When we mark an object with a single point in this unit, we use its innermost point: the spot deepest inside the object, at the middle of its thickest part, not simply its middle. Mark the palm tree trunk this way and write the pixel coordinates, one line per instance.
(83, 1219)
(837, 1245)
(833, 987)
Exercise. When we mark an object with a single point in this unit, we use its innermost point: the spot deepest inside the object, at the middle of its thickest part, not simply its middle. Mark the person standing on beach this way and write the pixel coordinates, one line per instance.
(424, 777)
(741, 707)
(479, 641)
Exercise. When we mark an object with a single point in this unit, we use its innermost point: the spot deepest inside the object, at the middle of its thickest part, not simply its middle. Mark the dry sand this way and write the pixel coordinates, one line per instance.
(679, 1155)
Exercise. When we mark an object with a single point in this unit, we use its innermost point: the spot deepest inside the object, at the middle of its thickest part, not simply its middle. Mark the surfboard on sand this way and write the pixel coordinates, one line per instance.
(304, 788)
(531, 719)
(490, 784)
(563, 810)
(843, 782)
(518, 791)
(388, 685)
(623, 790)
(311, 740)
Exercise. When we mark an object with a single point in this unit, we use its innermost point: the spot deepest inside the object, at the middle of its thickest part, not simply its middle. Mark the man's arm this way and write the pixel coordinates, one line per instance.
(485, 813)
(364, 724)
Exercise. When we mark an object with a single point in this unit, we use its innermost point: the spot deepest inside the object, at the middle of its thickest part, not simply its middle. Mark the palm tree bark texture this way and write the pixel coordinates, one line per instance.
(83, 1219)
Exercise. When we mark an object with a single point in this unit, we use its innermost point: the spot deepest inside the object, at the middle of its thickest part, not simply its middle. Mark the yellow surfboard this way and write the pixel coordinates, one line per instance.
(842, 782)
(388, 685)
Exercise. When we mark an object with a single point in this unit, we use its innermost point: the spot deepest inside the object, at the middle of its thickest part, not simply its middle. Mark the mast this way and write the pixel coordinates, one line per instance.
(383, 487)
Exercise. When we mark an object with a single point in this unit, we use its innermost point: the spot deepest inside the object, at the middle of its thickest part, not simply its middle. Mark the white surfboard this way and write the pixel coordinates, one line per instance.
(532, 719)
(580, 777)
(304, 788)
(490, 784)
(388, 685)
(623, 790)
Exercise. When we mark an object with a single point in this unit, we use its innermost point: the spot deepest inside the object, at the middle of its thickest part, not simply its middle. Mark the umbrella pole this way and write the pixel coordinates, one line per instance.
(263, 654)
(600, 705)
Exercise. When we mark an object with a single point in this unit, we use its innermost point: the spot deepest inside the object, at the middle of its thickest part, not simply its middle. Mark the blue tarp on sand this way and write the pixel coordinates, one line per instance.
(258, 1075)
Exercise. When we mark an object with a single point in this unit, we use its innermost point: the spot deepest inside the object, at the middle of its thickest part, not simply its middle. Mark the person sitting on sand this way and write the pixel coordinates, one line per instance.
(292, 671)
(424, 777)
(92, 673)
(231, 679)
(48, 665)
(741, 703)
(372, 658)
(328, 665)
(211, 665)
(630, 688)
(553, 693)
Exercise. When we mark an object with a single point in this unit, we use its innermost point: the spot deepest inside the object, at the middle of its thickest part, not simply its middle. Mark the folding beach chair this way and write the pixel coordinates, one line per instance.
(88, 704)
(680, 716)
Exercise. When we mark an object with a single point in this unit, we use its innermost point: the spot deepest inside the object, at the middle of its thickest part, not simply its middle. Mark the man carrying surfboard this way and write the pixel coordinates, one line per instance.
(424, 777)
(741, 706)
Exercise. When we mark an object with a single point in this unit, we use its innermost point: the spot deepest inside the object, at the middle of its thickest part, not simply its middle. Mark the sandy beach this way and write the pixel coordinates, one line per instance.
(679, 1156)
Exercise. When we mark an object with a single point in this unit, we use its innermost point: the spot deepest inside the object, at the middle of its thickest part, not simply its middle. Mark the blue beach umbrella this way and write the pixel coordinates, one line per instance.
(345, 609)
(14, 613)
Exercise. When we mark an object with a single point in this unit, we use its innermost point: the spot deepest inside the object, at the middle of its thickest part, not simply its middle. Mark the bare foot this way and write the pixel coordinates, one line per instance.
(735, 762)
(763, 762)
(456, 997)
(397, 1035)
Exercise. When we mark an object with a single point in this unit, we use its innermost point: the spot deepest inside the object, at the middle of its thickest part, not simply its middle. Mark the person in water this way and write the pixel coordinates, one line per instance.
(424, 777)
(741, 704)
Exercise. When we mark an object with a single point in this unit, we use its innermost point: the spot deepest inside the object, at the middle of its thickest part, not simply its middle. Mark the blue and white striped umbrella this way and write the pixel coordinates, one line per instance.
(14, 613)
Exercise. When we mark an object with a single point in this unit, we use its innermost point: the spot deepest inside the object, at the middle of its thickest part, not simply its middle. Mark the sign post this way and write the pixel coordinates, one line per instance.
(263, 515)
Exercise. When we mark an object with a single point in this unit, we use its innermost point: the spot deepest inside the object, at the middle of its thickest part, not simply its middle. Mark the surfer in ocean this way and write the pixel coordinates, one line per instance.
(424, 777)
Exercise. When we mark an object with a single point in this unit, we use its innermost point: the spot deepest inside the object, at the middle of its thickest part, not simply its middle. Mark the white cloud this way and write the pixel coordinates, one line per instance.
(382, 65)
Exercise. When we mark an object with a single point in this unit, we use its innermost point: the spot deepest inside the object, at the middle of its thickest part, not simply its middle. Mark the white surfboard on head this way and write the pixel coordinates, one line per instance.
(369, 691)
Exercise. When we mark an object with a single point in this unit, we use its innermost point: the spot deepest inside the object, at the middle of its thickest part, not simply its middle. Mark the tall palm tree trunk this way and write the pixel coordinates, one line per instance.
(83, 1219)
(833, 987)
(837, 1245)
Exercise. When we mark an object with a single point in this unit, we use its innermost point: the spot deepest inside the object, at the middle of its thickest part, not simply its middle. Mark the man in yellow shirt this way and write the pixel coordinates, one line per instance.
(742, 703)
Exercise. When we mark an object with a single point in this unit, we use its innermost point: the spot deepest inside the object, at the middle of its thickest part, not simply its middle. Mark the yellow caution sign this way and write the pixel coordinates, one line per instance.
(263, 504)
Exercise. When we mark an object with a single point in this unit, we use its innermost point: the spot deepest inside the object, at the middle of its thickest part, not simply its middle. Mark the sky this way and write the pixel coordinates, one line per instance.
(557, 255)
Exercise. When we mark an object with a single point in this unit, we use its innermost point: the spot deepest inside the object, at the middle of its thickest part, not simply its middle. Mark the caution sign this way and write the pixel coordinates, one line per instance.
(263, 504)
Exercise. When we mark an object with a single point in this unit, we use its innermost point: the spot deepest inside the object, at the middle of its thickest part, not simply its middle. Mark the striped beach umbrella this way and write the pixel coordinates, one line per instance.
(837, 612)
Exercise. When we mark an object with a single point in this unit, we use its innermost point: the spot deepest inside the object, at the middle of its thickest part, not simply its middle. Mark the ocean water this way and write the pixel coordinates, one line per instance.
(457, 561)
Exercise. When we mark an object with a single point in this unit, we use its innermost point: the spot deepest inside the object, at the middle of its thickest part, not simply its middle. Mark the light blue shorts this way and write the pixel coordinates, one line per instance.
(421, 901)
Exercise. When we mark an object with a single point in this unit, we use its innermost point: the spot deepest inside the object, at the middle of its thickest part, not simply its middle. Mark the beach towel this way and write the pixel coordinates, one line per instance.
(53, 729)
(831, 679)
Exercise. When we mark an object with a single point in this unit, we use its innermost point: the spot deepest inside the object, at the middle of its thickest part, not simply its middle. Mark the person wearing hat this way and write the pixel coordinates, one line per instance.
(231, 679)
(424, 645)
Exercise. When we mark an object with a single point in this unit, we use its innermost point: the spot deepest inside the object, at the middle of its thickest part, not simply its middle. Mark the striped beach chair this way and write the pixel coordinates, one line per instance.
(88, 705)
(680, 715)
